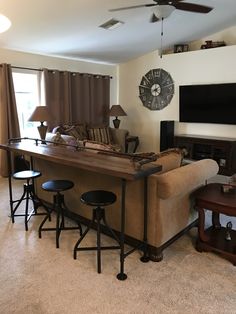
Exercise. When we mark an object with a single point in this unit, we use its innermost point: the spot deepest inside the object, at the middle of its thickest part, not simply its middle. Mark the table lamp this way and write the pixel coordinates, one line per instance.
(117, 111)
(41, 114)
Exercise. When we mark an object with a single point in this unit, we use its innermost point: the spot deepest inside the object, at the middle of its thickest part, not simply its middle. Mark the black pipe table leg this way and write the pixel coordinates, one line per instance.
(98, 240)
(122, 275)
(145, 257)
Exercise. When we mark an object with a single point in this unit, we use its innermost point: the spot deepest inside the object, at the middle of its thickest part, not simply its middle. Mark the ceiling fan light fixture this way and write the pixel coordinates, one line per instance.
(163, 11)
(5, 23)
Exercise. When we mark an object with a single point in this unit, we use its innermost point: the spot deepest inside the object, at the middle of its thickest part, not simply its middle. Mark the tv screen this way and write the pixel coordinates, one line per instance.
(211, 103)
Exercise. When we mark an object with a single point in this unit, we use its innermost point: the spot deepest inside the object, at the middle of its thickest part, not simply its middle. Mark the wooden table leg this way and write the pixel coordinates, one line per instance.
(201, 225)
(216, 220)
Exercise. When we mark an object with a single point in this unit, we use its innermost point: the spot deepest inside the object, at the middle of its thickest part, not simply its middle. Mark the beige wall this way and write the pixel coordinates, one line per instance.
(200, 66)
(216, 65)
(39, 61)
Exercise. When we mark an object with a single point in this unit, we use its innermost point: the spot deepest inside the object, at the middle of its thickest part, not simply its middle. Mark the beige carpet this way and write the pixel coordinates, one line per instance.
(35, 277)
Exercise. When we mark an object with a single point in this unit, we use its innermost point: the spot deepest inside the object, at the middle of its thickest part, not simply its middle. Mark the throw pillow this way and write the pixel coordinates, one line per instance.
(101, 135)
(57, 139)
(82, 130)
(78, 131)
(98, 146)
(179, 151)
(59, 129)
(72, 132)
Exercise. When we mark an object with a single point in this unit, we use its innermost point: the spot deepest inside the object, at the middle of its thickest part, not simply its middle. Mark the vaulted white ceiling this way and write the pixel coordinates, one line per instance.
(70, 28)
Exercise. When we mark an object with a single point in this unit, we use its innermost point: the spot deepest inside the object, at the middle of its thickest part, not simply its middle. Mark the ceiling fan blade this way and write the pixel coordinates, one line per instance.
(133, 7)
(154, 19)
(192, 7)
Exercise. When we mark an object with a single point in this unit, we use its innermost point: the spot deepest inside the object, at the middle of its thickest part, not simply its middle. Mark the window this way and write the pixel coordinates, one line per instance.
(27, 85)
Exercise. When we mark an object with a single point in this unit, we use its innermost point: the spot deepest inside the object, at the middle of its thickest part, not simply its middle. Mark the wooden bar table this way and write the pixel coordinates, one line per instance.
(113, 165)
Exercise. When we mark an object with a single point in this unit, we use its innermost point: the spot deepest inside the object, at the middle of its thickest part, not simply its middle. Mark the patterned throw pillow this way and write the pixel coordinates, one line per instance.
(72, 132)
(82, 130)
(101, 135)
(78, 131)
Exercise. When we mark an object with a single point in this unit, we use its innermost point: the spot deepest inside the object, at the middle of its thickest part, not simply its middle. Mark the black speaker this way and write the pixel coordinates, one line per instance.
(167, 135)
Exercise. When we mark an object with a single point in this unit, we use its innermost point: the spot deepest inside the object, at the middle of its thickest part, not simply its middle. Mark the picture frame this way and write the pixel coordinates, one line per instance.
(180, 48)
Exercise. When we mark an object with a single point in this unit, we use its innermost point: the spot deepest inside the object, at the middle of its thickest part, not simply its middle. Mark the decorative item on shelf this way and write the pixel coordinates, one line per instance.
(117, 111)
(212, 44)
(180, 48)
(41, 114)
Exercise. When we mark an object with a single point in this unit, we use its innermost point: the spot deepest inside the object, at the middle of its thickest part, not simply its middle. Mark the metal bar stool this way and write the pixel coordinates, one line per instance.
(59, 205)
(28, 194)
(97, 198)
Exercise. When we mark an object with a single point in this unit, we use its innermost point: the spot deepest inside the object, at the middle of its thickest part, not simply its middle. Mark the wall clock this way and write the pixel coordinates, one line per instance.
(156, 89)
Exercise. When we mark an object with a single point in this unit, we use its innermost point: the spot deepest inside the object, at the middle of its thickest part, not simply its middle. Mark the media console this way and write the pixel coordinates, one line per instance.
(221, 149)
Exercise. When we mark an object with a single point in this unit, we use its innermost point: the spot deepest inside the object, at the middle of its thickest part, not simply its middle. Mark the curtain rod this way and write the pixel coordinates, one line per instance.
(24, 68)
(34, 69)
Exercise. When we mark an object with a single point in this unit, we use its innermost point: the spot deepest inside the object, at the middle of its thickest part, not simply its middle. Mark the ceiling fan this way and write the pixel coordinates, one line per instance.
(163, 8)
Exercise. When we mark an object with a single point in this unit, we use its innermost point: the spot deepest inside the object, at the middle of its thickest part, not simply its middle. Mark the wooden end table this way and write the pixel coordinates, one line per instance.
(216, 238)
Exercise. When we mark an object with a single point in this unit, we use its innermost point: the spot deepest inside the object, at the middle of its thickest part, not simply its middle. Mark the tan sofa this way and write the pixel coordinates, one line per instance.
(117, 136)
(170, 206)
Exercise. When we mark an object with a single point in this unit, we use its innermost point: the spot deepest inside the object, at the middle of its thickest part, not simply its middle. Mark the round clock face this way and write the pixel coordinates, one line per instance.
(156, 89)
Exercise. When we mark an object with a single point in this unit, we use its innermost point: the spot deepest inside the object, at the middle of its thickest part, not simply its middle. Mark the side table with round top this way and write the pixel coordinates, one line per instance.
(216, 238)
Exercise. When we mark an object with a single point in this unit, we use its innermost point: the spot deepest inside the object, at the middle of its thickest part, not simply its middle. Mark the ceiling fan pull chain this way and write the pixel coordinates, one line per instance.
(162, 19)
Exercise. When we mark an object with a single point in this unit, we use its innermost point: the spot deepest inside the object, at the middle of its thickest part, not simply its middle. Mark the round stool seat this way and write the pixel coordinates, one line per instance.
(57, 185)
(59, 206)
(98, 198)
(27, 174)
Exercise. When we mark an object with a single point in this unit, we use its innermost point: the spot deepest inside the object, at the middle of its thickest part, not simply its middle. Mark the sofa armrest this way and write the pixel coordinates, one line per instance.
(186, 178)
(119, 136)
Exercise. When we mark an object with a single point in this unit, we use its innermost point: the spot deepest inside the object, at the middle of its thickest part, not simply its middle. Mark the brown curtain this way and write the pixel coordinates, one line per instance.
(77, 97)
(58, 96)
(9, 124)
(80, 86)
(99, 99)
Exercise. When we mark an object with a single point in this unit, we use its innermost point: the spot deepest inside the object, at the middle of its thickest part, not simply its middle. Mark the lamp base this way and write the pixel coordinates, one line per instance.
(42, 132)
(116, 123)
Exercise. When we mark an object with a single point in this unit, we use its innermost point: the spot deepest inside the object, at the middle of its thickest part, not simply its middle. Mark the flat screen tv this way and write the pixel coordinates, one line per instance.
(210, 103)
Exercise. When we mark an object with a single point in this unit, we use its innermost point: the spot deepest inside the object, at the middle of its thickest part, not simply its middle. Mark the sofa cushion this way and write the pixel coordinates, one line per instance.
(95, 145)
(101, 135)
(181, 180)
(78, 131)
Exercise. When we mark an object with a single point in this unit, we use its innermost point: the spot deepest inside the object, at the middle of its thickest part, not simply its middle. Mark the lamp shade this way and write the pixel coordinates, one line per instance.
(117, 111)
(41, 113)
(5, 23)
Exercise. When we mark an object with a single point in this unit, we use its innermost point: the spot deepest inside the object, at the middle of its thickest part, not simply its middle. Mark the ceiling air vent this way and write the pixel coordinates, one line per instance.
(111, 24)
